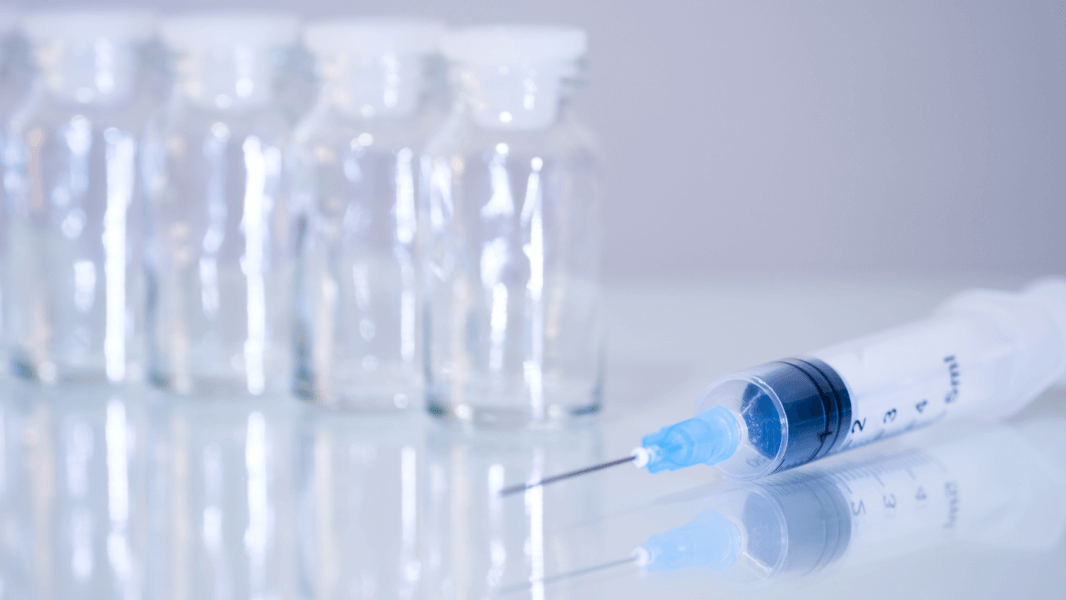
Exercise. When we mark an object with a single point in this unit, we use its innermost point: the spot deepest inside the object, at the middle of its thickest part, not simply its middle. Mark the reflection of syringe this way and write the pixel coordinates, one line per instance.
(984, 353)
(992, 487)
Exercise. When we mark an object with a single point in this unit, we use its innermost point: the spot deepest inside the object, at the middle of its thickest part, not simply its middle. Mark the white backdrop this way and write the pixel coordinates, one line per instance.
(831, 136)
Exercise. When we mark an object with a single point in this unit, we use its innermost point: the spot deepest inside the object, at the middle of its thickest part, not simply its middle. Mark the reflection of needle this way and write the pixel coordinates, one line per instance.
(521, 487)
(525, 586)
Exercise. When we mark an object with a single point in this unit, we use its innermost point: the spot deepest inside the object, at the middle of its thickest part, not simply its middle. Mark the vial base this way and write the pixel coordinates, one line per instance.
(59, 373)
(563, 401)
(216, 387)
(392, 389)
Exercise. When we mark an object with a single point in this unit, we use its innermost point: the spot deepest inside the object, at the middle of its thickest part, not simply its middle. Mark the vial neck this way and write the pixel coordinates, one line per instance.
(229, 78)
(510, 97)
(374, 87)
(101, 72)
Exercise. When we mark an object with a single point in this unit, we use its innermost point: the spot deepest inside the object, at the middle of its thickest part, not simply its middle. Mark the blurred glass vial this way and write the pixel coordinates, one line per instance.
(355, 158)
(219, 275)
(73, 276)
(512, 231)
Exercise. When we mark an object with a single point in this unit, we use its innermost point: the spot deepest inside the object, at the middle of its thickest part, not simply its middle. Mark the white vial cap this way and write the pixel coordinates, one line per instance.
(123, 25)
(259, 29)
(374, 36)
(515, 44)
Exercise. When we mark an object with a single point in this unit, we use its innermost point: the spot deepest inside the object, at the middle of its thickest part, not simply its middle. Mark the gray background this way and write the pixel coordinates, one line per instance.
(832, 137)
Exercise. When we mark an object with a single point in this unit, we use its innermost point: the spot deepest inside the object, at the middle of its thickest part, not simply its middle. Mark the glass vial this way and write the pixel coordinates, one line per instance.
(15, 73)
(219, 281)
(355, 186)
(73, 286)
(513, 234)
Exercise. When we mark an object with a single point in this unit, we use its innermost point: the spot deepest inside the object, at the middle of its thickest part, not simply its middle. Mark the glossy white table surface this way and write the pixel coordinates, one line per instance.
(120, 494)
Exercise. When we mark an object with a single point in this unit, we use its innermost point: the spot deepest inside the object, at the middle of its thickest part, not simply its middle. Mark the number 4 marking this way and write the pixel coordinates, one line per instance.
(921, 405)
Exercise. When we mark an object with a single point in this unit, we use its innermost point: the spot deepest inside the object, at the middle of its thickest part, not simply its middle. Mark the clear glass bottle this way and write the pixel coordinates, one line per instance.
(355, 185)
(219, 280)
(10, 47)
(73, 283)
(512, 235)
(14, 78)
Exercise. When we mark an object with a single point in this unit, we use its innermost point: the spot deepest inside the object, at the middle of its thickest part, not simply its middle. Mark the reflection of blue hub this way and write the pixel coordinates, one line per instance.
(792, 525)
(710, 540)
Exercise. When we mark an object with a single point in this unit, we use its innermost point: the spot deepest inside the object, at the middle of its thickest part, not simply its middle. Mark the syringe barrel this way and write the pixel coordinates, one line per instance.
(984, 353)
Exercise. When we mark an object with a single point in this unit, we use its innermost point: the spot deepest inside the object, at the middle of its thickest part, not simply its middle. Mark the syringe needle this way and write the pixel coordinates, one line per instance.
(514, 489)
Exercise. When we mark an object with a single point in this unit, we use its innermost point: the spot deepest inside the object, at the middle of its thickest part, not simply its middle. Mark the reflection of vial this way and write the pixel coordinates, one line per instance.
(76, 520)
(221, 499)
(512, 234)
(993, 487)
(26, 453)
(478, 542)
(358, 515)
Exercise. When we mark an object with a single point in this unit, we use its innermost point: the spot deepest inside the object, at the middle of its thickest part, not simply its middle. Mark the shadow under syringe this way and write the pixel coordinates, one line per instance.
(1000, 486)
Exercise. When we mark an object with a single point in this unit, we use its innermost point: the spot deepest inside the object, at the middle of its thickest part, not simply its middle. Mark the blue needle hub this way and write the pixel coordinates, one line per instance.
(708, 438)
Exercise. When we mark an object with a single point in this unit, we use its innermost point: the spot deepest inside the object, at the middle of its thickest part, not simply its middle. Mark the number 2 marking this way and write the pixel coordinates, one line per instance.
(856, 510)
(858, 425)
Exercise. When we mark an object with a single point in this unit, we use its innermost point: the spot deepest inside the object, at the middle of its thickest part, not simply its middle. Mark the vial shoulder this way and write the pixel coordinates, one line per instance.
(45, 114)
(179, 119)
(567, 139)
(325, 128)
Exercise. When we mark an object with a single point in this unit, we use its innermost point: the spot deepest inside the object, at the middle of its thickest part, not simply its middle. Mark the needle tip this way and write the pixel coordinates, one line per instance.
(514, 489)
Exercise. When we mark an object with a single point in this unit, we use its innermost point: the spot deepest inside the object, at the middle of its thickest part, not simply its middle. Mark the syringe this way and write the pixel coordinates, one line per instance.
(983, 353)
(1000, 487)
(994, 485)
